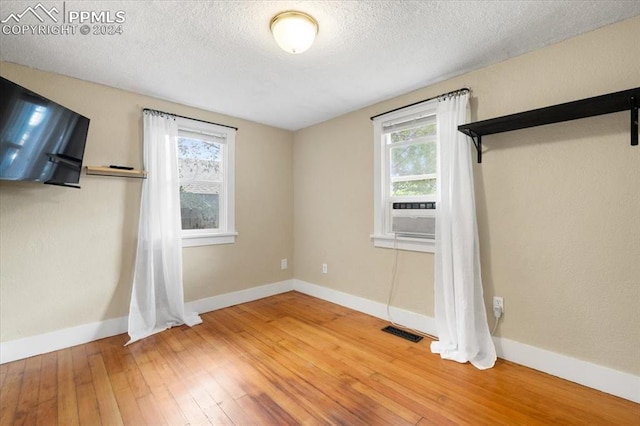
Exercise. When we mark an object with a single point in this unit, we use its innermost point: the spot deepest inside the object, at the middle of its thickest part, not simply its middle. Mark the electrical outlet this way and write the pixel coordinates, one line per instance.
(498, 306)
(283, 264)
(325, 269)
(498, 303)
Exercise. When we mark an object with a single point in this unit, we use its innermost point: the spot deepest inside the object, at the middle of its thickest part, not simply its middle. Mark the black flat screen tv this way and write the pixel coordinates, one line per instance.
(40, 140)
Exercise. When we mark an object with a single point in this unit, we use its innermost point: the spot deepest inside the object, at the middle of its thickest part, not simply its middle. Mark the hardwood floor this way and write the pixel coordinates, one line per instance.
(287, 359)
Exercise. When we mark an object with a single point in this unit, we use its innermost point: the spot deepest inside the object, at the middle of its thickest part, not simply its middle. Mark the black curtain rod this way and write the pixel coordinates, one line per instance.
(444, 95)
(189, 118)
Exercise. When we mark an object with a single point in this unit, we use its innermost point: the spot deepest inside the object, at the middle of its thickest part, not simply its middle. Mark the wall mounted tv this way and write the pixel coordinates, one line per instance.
(40, 140)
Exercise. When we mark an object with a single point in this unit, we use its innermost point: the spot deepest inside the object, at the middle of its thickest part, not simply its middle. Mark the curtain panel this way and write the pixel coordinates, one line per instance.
(157, 297)
(460, 313)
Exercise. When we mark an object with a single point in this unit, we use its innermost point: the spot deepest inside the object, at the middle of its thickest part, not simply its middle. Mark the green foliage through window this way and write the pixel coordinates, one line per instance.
(409, 160)
(413, 188)
(414, 133)
(413, 156)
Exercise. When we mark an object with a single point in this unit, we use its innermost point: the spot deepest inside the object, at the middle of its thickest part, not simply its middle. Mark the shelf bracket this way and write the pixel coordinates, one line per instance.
(477, 142)
(634, 121)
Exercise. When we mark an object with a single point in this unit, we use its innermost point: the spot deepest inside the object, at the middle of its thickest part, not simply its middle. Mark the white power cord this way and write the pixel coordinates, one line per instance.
(497, 314)
(394, 271)
(497, 311)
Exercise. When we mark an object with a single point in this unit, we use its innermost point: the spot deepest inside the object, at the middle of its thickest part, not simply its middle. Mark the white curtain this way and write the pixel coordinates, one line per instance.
(461, 318)
(157, 300)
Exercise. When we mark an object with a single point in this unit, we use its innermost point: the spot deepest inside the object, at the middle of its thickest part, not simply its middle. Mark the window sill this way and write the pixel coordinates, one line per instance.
(404, 243)
(208, 239)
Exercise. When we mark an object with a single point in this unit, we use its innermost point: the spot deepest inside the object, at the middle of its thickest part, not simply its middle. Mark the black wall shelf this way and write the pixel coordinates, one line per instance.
(590, 107)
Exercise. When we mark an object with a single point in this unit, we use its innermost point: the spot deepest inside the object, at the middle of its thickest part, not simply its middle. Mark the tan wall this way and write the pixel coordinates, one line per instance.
(558, 206)
(67, 255)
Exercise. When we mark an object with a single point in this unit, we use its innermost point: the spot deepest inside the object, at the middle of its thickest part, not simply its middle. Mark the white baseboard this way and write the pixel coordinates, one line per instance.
(60, 339)
(605, 379)
(614, 382)
(409, 319)
(595, 376)
(237, 297)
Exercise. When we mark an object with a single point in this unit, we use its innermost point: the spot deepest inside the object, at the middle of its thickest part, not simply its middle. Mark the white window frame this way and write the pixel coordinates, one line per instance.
(226, 232)
(382, 235)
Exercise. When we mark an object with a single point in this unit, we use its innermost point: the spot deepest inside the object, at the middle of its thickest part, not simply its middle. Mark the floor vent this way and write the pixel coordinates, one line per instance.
(401, 333)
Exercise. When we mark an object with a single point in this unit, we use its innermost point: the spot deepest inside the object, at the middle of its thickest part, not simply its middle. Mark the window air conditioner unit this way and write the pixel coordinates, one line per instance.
(416, 220)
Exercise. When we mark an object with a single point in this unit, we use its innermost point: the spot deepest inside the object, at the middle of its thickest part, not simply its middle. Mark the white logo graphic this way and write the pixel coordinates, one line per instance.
(34, 11)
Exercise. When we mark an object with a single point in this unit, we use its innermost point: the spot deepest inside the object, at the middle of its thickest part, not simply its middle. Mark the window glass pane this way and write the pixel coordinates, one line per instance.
(199, 159)
(201, 173)
(413, 188)
(413, 133)
(418, 159)
(200, 205)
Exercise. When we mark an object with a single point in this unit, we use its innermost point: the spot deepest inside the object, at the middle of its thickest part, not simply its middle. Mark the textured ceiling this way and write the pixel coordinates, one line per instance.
(220, 56)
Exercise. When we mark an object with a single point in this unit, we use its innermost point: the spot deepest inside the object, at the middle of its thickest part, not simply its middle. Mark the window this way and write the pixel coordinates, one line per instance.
(206, 170)
(405, 186)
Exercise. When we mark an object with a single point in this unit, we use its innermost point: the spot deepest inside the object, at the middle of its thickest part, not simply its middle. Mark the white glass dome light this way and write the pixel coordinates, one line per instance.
(294, 31)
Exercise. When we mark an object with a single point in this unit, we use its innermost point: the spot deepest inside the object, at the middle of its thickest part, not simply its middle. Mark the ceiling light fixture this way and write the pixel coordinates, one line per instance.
(294, 31)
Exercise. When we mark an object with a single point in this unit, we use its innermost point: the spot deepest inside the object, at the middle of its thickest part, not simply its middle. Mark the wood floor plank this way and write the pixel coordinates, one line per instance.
(438, 392)
(111, 352)
(411, 400)
(293, 383)
(109, 410)
(88, 411)
(150, 411)
(353, 403)
(93, 348)
(187, 404)
(237, 414)
(360, 374)
(196, 402)
(25, 414)
(3, 375)
(10, 391)
(161, 397)
(269, 392)
(209, 407)
(67, 398)
(176, 376)
(126, 400)
(47, 396)
(137, 384)
(81, 370)
(265, 383)
(256, 381)
(284, 360)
